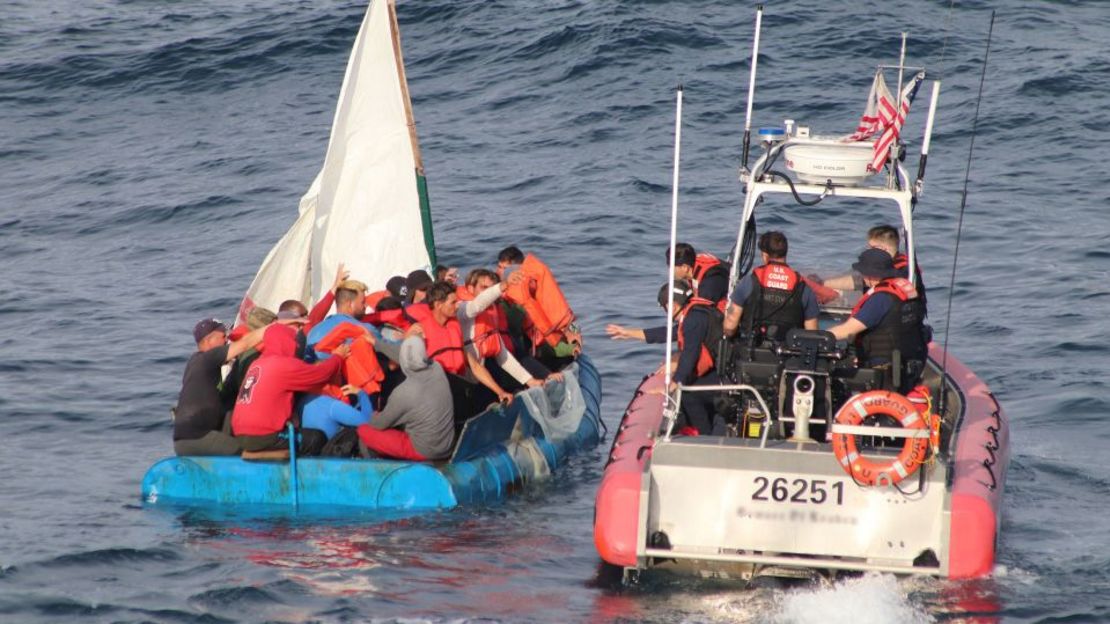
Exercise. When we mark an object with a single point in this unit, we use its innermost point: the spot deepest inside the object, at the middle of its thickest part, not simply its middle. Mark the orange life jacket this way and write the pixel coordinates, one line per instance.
(900, 287)
(488, 327)
(444, 343)
(703, 262)
(705, 359)
(372, 299)
(361, 367)
(543, 301)
(397, 318)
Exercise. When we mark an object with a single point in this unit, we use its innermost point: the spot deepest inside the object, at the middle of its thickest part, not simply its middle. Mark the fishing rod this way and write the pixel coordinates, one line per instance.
(960, 222)
(751, 88)
(669, 409)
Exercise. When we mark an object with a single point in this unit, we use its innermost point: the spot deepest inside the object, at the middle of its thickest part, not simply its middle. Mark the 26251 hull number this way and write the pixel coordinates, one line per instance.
(802, 491)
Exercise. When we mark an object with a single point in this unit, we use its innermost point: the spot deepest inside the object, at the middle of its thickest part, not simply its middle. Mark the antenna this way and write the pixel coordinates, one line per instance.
(919, 184)
(942, 403)
(669, 408)
(751, 87)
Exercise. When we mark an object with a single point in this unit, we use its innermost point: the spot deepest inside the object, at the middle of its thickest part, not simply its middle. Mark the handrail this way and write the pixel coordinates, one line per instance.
(293, 464)
(723, 388)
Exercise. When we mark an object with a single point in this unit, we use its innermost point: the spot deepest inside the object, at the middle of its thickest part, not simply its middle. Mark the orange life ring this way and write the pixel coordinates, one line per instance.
(879, 403)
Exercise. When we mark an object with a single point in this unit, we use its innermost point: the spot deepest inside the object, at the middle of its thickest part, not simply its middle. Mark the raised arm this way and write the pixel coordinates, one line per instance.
(245, 343)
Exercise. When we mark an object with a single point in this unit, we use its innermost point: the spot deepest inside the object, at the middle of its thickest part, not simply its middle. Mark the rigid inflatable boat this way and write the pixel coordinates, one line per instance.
(820, 469)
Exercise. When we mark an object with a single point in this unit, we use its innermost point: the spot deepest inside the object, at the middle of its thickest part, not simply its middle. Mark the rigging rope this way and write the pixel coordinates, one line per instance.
(947, 34)
(960, 222)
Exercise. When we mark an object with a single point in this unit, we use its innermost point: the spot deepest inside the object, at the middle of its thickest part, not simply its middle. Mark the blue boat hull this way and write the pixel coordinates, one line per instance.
(501, 450)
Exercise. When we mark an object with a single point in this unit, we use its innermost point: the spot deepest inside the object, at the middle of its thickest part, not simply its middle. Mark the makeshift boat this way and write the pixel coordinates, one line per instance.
(821, 471)
(499, 451)
(368, 208)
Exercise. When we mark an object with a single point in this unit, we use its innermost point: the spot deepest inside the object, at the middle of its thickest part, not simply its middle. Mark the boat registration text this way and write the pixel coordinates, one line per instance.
(800, 491)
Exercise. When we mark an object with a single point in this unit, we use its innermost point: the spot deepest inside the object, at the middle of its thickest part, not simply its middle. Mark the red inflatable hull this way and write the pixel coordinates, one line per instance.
(979, 472)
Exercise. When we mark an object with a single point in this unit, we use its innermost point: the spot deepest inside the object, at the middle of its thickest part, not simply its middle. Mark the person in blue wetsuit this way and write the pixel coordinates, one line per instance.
(889, 318)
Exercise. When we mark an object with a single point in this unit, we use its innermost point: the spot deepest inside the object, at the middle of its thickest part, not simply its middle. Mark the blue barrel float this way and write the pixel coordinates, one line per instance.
(499, 450)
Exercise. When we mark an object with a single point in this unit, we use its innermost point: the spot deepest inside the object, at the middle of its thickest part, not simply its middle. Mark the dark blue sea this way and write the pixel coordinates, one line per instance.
(152, 151)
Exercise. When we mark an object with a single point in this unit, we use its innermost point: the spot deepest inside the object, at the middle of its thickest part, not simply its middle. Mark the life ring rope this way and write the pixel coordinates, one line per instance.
(851, 416)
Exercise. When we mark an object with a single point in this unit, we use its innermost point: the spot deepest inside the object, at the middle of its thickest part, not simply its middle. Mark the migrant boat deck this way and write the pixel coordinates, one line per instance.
(498, 451)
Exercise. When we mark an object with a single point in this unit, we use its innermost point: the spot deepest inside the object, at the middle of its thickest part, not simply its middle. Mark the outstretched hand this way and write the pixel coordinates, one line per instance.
(342, 351)
(617, 332)
(341, 275)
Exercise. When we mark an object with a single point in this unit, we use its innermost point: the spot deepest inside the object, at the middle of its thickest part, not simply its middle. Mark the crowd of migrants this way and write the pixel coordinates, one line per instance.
(774, 299)
(392, 373)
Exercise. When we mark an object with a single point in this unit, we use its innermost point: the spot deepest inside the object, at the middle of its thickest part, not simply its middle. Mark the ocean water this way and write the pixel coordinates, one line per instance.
(152, 152)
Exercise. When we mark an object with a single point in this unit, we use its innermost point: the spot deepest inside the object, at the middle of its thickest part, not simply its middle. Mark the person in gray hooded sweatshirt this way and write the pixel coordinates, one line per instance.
(418, 421)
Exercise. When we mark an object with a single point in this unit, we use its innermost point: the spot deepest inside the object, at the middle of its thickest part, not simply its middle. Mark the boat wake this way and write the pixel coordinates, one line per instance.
(877, 598)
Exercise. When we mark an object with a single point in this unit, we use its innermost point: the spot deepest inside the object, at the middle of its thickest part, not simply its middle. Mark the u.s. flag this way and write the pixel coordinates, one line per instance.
(882, 117)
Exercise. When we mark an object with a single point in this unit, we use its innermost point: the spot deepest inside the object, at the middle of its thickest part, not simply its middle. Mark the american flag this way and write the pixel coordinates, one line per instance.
(882, 117)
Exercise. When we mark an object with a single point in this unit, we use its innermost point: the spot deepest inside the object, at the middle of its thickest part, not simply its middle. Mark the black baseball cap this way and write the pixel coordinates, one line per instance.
(207, 326)
(397, 287)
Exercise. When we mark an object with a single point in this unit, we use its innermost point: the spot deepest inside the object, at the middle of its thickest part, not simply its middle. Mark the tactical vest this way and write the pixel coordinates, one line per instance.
(711, 344)
(902, 328)
(774, 306)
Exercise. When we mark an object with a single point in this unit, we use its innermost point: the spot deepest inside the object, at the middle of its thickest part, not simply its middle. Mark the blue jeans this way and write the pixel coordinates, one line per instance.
(328, 414)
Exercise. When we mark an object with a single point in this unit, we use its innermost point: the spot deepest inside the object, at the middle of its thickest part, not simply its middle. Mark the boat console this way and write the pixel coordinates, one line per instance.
(807, 375)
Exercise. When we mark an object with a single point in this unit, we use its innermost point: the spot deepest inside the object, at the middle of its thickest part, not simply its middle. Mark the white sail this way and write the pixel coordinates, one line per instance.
(364, 208)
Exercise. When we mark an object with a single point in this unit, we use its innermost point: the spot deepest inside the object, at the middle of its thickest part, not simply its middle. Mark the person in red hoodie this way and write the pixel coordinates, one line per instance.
(265, 402)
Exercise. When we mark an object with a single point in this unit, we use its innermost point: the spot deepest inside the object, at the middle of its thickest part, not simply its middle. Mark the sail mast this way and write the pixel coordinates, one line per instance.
(421, 181)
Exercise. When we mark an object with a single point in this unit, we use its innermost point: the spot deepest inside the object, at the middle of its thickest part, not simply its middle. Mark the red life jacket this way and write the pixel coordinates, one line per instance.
(702, 263)
(705, 263)
(705, 358)
(372, 299)
(776, 275)
(397, 318)
(543, 301)
(900, 287)
(487, 327)
(775, 301)
(902, 328)
(444, 343)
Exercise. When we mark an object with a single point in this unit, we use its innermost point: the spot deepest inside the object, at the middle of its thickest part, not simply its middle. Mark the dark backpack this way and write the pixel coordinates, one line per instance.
(343, 444)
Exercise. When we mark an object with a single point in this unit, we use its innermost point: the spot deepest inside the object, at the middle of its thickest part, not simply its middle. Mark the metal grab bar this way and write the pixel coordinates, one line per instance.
(880, 432)
(671, 417)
